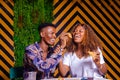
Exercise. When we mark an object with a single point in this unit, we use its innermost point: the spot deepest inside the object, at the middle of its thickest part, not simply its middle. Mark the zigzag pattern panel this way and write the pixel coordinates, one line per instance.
(103, 16)
(6, 38)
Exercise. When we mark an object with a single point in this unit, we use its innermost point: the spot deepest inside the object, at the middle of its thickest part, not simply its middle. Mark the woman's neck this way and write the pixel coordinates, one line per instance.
(79, 52)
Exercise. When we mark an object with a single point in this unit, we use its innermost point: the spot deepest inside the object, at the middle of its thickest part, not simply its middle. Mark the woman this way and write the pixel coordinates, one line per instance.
(77, 59)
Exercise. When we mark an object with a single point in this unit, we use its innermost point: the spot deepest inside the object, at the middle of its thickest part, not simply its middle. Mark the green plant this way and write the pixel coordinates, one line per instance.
(28, 14)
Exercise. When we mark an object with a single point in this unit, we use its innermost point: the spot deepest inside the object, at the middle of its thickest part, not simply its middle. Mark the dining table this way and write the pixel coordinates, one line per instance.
(84, 78)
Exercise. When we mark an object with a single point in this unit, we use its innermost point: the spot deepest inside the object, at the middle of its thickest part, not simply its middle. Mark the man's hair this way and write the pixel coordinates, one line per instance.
(44, 25)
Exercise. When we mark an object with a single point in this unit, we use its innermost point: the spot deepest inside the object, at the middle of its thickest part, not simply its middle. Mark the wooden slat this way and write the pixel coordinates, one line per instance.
(6, 16)
(6, 27)
(7, 58)
(8, 8)
(112, 4)
(105, 35)
(3, 75)
(6, 37)
(7, 48)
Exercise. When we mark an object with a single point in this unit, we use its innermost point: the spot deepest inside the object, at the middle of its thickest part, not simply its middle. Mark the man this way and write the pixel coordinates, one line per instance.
(39, 56)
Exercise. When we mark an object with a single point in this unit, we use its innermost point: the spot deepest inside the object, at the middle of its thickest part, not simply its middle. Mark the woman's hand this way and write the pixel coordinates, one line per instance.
(96, 57)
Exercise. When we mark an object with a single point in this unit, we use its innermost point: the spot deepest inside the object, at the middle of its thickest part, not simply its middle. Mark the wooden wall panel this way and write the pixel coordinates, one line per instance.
(6, 38)
(103, 16)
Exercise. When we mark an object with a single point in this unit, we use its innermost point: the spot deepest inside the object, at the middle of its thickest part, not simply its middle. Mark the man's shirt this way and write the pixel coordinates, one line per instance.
(33, 59)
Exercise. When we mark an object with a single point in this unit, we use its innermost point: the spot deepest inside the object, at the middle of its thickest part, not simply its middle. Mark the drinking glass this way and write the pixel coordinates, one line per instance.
(31, 76)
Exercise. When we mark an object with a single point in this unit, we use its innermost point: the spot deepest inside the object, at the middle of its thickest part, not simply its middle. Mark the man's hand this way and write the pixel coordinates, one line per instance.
(57, 49)
(64, 37)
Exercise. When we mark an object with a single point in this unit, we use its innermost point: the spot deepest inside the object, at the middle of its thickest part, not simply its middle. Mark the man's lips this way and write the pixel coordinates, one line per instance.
(52, 40)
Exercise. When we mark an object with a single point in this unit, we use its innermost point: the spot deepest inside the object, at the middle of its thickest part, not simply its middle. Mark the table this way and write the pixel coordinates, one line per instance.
(76, 79)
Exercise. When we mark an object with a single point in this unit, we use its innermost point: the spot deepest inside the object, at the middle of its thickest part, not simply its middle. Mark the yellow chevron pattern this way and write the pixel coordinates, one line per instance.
(103, 16)
(6, 38)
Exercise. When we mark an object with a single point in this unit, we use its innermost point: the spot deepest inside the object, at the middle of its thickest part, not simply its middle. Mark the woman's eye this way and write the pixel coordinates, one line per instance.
(81, 31)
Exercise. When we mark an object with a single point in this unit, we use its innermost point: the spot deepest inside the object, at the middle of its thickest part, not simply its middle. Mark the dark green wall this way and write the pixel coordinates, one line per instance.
(28, 14)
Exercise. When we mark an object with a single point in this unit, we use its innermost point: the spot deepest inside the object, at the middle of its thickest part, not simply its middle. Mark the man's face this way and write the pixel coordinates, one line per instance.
(49, 35)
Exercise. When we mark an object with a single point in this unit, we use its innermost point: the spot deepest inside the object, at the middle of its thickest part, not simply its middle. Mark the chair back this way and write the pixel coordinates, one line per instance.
(16, 72)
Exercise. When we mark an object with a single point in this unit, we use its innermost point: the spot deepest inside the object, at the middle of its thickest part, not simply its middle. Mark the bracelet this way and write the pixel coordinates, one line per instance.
(61, 49)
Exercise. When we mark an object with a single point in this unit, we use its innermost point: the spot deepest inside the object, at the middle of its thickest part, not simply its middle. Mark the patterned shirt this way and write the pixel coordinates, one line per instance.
(33, 60)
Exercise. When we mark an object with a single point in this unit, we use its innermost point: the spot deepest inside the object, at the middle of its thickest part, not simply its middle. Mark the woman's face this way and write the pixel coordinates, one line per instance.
(78, 34)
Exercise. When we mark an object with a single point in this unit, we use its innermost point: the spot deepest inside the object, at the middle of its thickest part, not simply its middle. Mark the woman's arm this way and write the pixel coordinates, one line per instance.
(102, 68)
(63, 68)
(99, 61)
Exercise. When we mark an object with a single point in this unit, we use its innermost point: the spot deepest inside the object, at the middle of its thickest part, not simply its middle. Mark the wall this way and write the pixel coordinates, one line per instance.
(6, 38)
(103, 16)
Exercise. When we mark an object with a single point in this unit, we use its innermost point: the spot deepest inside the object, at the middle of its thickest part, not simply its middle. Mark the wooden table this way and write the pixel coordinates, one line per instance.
(76, 79)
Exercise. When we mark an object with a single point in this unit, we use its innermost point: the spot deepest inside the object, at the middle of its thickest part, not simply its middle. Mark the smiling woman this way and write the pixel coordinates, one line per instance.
(78, 61)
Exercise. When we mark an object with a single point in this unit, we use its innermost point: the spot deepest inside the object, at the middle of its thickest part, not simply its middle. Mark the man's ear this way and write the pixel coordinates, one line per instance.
(42, 34)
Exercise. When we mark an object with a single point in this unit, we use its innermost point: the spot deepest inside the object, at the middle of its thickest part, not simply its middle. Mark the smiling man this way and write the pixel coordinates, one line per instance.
(40, 56)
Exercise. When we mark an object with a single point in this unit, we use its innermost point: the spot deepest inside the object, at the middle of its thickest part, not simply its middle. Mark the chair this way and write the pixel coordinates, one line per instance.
(16, 72)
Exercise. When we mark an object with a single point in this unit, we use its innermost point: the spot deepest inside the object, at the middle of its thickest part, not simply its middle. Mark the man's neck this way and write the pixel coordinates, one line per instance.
(44, 46)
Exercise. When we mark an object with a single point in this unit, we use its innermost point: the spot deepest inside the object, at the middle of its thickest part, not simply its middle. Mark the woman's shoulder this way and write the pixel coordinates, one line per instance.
(68, 54)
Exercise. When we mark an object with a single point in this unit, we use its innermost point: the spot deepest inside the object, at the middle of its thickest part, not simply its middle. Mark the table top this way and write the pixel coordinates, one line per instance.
(76, 79)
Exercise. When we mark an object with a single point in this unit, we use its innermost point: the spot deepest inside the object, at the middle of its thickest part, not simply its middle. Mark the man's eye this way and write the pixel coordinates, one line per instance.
(52, 33)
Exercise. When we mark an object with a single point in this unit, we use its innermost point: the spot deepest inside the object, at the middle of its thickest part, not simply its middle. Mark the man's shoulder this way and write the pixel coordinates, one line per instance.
(31, 45)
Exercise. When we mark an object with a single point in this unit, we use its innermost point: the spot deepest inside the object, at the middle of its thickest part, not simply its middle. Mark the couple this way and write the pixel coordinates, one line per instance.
(83, 52)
